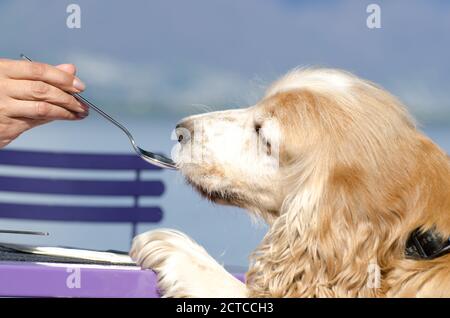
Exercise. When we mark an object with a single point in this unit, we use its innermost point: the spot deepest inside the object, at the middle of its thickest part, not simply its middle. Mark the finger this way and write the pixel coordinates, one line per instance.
(68, 68)
(40, 110)
(41, 91)
(41, 72)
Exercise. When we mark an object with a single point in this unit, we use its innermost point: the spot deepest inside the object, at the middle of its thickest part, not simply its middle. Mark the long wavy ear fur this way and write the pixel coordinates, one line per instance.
(321, 246)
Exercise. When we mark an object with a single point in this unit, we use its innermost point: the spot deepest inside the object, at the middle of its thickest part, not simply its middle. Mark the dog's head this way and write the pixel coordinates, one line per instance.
(310, 124)
(232, 157)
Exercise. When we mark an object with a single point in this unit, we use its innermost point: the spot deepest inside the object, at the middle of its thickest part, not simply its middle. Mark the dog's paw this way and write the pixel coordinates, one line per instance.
(183, 267)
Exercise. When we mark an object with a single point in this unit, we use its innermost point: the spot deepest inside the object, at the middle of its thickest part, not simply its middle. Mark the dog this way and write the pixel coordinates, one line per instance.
(342, 177)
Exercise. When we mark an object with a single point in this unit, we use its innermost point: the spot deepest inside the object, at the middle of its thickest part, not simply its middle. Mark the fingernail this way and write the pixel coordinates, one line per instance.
(83, 108)
(78, 84)
(83, 114)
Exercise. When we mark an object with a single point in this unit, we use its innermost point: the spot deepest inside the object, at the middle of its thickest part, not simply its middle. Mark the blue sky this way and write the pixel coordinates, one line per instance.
(175, 57)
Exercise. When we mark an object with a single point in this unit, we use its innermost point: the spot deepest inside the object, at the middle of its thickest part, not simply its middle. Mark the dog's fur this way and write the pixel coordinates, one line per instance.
(353, 178)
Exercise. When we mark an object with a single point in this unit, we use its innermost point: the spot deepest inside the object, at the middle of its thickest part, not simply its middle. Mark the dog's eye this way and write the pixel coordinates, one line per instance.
(265, 142)
(257, 128)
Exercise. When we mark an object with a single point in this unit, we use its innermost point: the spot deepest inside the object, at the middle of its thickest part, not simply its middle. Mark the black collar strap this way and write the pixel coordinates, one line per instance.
(426, 245)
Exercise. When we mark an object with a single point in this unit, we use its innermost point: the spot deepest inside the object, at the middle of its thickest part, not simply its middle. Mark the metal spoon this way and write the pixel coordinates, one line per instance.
(148, 156)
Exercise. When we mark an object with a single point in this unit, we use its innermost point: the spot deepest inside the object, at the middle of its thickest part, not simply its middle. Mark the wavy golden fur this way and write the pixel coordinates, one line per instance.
(355, 178)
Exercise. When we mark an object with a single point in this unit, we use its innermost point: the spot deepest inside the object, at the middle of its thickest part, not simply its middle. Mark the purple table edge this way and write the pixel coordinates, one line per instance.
(21, 279)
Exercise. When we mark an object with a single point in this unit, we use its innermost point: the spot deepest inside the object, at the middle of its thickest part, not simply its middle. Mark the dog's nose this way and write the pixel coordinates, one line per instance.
(184, 131)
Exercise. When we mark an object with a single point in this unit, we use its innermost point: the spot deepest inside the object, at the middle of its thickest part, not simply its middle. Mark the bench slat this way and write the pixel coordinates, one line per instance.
(69, 160)
(81, 214)
(81, 187)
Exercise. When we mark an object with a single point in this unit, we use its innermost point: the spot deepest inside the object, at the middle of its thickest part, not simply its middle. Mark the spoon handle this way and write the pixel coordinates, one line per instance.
(102, 113)
(94, 107)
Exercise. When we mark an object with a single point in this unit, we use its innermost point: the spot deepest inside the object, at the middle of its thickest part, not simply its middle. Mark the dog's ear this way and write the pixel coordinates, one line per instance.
(361, 181)
(327, 242)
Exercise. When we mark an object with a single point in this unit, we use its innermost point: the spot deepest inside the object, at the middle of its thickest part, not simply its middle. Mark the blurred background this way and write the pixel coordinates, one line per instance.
(150, 63)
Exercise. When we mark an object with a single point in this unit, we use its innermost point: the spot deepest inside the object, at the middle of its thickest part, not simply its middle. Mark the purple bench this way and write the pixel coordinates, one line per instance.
(119, 162)
(49, 279)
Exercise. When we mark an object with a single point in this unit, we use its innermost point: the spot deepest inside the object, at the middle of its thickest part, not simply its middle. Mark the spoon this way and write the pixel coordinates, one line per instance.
(150, 157)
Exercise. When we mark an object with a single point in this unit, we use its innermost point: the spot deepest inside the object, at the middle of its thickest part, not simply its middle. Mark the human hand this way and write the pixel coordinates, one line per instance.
(33, 94)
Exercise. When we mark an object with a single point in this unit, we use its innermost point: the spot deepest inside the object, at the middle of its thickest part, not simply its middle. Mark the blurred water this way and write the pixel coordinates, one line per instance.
(226, 232)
